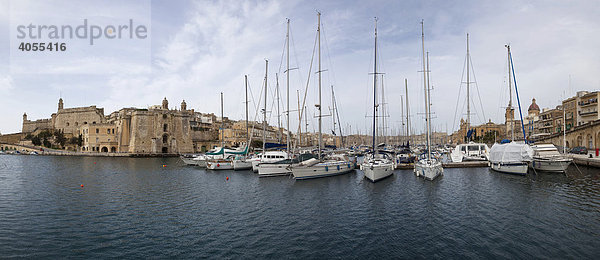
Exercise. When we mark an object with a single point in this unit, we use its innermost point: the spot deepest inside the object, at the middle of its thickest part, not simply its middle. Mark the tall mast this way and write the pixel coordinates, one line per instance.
(299, 120)
(564, 131)
(265, 111)
(375, 95)
(320, 111)
(401, 115)
(222, 124)
(384, 122)
(468, 93)
(428, 112)
(247, 129)
(287, 92)
(510, 123)
(278, 112)
(425, 90)
(407, 111)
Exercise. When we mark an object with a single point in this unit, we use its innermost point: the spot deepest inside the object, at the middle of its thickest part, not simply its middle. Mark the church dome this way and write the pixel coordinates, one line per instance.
(533, 106)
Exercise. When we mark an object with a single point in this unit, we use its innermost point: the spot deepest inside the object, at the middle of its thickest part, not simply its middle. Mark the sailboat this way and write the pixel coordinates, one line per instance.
(242, 162)
(322, 166)
(510, 156)
(266, 156)
(225, 163)
(377, 164)
(428, 167)
(470, 151)
(280, 166)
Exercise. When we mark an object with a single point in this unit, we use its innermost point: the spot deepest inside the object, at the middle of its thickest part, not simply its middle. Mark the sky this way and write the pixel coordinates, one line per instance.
(195, 50)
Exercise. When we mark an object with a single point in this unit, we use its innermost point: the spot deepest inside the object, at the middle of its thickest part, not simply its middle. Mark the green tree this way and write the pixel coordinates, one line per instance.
(36, 140)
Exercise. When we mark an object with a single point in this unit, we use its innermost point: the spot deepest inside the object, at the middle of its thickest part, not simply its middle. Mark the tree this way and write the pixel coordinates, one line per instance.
(60, 138)
(47, 143)
(36, 140)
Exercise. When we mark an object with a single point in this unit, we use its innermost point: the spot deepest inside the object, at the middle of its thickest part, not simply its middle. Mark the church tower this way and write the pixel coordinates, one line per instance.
(24, 117)
(183, 106)
(60, 104)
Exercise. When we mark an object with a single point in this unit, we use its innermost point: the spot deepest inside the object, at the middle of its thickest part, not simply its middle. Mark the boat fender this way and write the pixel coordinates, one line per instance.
(218, 165)
(326, 168)
(338, 167)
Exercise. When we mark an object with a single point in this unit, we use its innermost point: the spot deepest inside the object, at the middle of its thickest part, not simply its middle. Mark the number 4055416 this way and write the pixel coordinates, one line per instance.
(42, 46)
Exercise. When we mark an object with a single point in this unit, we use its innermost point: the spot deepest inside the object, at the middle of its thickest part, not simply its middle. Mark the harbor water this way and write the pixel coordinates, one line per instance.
(158, 207)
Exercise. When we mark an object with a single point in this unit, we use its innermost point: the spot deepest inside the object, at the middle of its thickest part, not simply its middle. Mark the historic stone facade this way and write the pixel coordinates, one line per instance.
(157, 129)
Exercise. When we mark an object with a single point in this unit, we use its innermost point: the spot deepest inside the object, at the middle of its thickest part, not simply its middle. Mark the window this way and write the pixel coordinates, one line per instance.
(113, 130)
(164, 116)
(165, 139)
(93, 123)
(67, 123)
(165, 126)
(85, 123)
(97, 130)
(76, 124)
(108, 131)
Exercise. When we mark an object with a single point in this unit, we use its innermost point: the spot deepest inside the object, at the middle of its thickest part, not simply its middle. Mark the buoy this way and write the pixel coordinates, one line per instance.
(218, 166)
(226, 178)
(94, 162)
(81, 185)
(164, 165)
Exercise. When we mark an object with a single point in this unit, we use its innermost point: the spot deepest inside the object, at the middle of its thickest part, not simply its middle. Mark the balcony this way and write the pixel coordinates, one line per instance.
(588, 113)
(588, 102)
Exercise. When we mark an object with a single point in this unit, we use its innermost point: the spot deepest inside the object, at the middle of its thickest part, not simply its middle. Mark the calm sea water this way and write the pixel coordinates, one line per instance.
(136, 208)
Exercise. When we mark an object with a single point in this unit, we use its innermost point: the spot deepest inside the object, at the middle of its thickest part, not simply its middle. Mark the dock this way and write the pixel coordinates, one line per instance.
(469, 164)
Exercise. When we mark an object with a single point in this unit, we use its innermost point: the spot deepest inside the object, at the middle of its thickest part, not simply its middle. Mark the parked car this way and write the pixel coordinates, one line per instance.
(579, 150)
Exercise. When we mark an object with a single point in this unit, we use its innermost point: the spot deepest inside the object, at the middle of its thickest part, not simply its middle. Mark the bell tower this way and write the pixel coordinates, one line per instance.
(183, 106)
(60, 104)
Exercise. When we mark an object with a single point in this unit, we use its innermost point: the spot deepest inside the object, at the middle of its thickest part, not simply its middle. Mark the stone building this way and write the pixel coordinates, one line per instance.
(157, 129)
(587, 107)
(489, 128)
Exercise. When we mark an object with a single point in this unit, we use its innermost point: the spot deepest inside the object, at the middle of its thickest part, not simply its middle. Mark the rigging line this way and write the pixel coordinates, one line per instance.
(328, 56)
(306, 88)
(478, 94)
(462, 77)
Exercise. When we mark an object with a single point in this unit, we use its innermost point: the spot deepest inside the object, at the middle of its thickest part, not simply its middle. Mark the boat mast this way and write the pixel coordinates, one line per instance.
(222, 124)
(512, 127)
(428, 112)
(278, 112)
(287, 112)
(401, 116)
(299, 121)
(468, 93)
(375, 95)
(407, 111)
(265, 111)
(319, 106)
(426, 90)
(247, 129)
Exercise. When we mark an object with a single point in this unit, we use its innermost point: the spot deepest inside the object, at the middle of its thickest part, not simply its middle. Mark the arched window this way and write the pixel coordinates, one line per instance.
(165, 127)
(67, 123)
(165, 139)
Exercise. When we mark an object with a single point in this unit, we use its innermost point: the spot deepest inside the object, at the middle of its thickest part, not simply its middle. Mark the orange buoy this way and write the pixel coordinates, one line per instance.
(227, 178)
(164, 165)
(81, 185)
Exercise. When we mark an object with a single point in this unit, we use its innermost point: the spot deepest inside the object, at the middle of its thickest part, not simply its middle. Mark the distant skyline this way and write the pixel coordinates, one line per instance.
(201, 48)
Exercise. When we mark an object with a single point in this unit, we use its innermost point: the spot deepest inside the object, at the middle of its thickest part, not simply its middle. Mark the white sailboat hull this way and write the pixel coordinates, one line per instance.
(272, 169)
(514, 168)
(219, 165)
(242, 165)
(378, 171)
(428, 169)
(550, 165)
(189, 160)
(324, 169)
